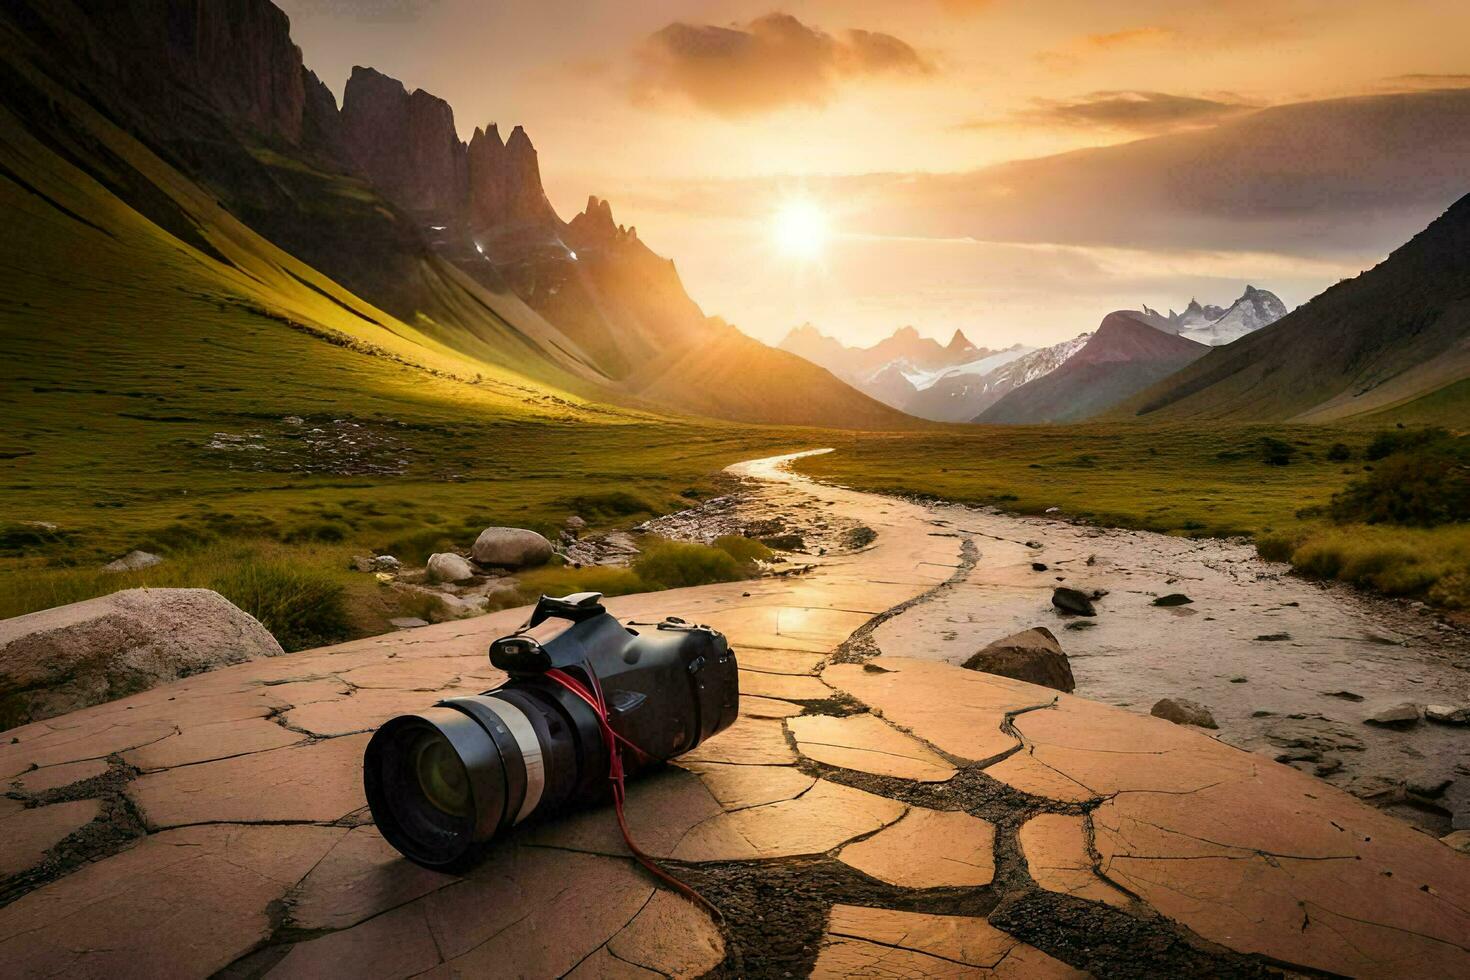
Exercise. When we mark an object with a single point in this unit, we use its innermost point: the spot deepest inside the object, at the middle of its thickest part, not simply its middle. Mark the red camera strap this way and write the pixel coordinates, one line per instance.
(616, 743)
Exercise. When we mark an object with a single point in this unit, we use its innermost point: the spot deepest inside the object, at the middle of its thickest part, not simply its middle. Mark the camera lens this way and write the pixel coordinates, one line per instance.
(436, 784)
(441, 775)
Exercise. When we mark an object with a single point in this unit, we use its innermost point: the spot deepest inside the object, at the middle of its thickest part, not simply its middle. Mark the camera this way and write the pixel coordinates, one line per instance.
(587, 701)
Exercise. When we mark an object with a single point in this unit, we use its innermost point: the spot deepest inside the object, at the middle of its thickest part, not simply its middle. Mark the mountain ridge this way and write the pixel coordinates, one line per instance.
(1390, 336)
(1124, 355)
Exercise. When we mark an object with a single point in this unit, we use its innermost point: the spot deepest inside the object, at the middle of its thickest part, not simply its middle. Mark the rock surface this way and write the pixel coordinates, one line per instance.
(250, 851)
(1182, 711)
(510, 547)
(68, 657)
(1032, 655)
(1404, 715)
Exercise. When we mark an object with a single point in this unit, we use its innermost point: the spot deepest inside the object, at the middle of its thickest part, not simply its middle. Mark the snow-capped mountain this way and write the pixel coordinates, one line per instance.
(891, 370)
(1255, 309)
(1216, 326)
(959, 395)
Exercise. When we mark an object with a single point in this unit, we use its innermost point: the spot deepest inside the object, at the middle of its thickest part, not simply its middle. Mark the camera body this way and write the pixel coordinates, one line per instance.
(445, 781)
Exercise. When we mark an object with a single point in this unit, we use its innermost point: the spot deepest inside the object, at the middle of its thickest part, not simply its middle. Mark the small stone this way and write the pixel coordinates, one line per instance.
(1080, 624)
(1032, 655)
(1173, 599)
(1273, 637)
(1344, 695)
(133, 561)
(1072, 601)
(1459, 840)
(407, 622)
(1404, 715)
(446, 566)
(1445, 715)
(1184, 712)
(1262, 713)
(1239, 680)
(1035, 545)
(1052, 510)
(385, 563)
(1037, 566)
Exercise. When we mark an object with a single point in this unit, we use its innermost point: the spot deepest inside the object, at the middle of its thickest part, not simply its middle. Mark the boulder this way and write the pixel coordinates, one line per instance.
(1184, 712)
(446, 566)
(1404, 715)
(1443, 714)
(1459, 840)
(1173, 599)
(510, 547)
(57, 660)
(1032, 655)
(574, 526)
(1072, 601)
(133, 561)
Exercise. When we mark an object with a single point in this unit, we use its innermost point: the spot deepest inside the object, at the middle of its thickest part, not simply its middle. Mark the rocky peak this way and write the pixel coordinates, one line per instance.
(405, 143)
(959, 343)
(505, 181)
(595, 225)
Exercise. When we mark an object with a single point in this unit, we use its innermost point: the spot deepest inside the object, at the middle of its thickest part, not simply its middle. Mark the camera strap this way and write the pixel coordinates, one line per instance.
(616, 743)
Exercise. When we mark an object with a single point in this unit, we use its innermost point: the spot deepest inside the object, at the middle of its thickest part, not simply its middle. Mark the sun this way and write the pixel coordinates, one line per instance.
(801, 229)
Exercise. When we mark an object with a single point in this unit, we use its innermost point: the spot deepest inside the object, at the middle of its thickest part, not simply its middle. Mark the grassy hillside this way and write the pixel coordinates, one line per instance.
(205, 395)
(1274, 483)
(1387, 341)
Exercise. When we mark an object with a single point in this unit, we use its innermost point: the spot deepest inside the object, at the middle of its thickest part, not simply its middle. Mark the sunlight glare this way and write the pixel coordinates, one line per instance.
(801, 229)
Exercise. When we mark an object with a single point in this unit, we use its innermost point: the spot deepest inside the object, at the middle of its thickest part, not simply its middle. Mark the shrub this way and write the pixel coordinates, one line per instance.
(415, 547)
(679, 564)
(601, 507)
(1425, 485)
(746, 551)
(329, 531)
(1392, 441)
(1275, 452)
(302, 608)
(1339, 452)
(564, 581)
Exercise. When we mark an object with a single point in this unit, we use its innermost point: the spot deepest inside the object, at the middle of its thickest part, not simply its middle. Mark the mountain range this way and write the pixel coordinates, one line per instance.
(373, 225)
(959, 382)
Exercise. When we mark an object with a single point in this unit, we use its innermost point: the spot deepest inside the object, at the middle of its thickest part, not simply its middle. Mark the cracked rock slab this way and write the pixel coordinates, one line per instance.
(866, 942)
(748, 742)
(181, 903)
(959, 712)
(1055, 848)
(868, 744)
(738, 787)
(928, 849)
(319, 782)
(55, 777)
(813, 823)
(27, 834)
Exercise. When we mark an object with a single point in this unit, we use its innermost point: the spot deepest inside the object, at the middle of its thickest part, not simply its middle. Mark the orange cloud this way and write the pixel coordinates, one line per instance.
(1136, 35)
(1125, 111)
(773, 61)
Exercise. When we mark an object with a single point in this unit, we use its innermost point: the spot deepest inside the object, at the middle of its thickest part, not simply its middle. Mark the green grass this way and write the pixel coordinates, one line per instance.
(1274, 483)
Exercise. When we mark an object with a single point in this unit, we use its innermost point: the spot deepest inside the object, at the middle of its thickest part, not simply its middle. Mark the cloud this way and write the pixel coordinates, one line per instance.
(1134, 35)
(1421, 81)
(771, 62)
(1127, 111)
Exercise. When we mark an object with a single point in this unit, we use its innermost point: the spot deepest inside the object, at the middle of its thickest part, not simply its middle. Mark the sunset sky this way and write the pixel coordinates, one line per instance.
(877, 127)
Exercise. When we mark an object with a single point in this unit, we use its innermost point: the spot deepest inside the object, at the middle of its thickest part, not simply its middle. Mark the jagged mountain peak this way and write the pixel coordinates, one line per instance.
(959, 342)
